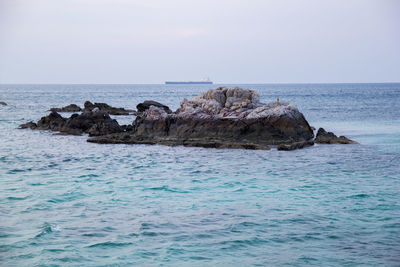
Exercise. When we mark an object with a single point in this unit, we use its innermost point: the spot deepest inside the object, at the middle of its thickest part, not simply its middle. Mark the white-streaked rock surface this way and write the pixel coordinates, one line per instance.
(222, 117)
(233, 103)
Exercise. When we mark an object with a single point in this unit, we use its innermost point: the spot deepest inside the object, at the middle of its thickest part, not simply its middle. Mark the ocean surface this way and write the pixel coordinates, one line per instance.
(66, 202)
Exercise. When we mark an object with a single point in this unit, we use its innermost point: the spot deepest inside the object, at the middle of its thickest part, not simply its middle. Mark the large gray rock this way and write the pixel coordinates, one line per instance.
(219, 118)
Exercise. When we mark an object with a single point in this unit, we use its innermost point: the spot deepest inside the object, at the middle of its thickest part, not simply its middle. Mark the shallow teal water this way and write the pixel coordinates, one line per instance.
(64, 201)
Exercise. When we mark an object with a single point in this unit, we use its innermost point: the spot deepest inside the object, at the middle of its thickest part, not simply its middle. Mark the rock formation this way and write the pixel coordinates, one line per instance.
(69, 108)
(94, 123)
(141, 107)
(3, 103)
(324, 137)
(219, 118)
(89, 106)
(30, 125)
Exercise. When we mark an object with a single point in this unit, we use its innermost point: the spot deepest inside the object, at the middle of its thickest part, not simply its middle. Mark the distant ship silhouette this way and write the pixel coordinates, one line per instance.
(204, 81)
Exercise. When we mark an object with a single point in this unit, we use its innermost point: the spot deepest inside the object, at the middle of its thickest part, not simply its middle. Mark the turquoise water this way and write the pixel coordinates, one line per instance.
(67, 202)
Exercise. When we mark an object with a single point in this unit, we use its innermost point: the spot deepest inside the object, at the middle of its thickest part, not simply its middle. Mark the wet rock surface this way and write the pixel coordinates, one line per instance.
(324, 137)
(141, 107)
(296, 145)
(89, 106)
(3, 103)
(53, 121)
(69, 108)
(94, 123)
(223, 117)
(30, 125)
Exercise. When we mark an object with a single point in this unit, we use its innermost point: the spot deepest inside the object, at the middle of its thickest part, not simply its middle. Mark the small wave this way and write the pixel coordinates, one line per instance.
(133, 234)
(109, 229)
(71, 259)
(392, 225)
(166, 188)
(149, 233)
(17, 198)
(109, 244)
(94, 235)
(56, 228)
(333, 237)
(6, 248)
(199, 258)
(46, 229)
(304, 238)
(204, 236)
(14, 171)
(307, 259)
(146, 226)
(54, 250)
(239, 190)
(240, 243)
(36, 184)
(89, 176)
(67, 197)
(359, 196)
(175, 251)
(248, 224)
(6, 235)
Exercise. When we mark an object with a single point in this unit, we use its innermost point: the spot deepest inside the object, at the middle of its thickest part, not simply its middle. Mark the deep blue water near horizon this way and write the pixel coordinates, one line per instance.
(66, 202)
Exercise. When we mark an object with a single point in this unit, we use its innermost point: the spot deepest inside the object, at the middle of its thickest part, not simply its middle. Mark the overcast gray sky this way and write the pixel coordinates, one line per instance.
(231, 41)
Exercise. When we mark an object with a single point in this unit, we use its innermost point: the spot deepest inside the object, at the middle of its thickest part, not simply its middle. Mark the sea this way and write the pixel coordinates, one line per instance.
(67, 202)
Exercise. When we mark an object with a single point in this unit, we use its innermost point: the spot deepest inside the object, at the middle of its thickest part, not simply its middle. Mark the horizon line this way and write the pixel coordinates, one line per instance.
(218, 83)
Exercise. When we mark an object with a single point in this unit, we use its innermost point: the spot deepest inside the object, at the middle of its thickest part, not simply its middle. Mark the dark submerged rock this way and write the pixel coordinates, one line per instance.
(89, 106)
(324, 137)
(69, 108)
(220, 118)
(141, 107)
(296, 145)
(30, 125)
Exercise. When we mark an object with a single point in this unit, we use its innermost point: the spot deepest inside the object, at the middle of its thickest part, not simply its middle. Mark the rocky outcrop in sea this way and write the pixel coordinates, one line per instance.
(93, 122)
(324, 137)
(220, 118)
(89, 106)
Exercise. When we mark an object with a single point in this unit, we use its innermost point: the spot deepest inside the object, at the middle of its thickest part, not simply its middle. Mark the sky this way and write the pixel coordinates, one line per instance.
(230, 41)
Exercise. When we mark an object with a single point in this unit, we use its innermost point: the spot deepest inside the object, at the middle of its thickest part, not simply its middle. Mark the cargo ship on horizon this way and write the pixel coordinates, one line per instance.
(205, 81)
